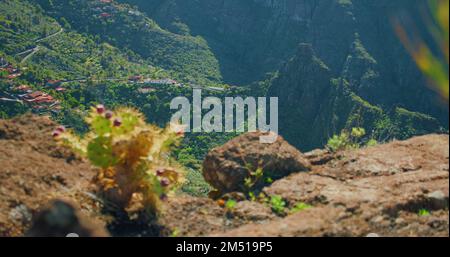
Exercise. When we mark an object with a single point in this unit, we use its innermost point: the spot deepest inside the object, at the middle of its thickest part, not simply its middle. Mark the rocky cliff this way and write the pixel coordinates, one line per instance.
(396, 189)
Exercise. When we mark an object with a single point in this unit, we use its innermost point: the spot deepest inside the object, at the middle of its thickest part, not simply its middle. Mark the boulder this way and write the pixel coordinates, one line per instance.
(226, 167)
(63, 219)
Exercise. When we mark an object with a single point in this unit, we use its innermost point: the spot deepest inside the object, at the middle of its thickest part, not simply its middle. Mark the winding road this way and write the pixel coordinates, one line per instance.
(50, 36)
(35, 49)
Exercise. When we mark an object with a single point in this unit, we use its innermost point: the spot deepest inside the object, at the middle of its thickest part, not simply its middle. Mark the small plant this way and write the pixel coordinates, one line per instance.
(261, 197)
(175, 233)
(253, 182)
(230, 204)
(347, 141)
(424, 212)
(300, 207)
(339, 142)
(254, 177)
(252, 196)
(277, 204)
(372, 142)
(269, 180)
(135, 170)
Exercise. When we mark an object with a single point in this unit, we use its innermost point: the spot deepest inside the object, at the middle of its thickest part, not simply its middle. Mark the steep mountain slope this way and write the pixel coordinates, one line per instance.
(60, 53)
(242, 34)
(189, 57)
(40, 50)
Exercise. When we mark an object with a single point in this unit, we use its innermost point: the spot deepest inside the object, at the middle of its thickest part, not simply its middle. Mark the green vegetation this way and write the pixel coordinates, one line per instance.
(254, 178)
(300, 207)
(21, 23)
(277, 204)
(131, 156)
(95, 72)
(230, 204)
(188, 58)
(352, 140)
(424, 212)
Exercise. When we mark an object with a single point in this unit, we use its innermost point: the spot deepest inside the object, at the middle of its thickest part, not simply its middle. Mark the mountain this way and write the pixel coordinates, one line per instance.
(334, 64)
(361, 74)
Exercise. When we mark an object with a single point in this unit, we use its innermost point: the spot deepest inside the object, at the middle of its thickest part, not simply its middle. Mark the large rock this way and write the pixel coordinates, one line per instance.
(226, 167)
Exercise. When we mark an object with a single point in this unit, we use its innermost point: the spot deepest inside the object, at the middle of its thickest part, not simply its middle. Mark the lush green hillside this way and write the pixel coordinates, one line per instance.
(189, 58)
(93, 72)
(21, 24)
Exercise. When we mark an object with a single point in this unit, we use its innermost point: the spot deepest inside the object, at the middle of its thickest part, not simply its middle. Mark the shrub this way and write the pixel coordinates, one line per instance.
(278, 204)
(300, 207)
(352, 140)
(424, 212)
(230, 204)
(339, 142)
(135, 170)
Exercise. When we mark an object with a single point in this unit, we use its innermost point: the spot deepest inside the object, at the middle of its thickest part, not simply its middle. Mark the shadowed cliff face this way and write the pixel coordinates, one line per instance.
(250, 38)
(314, 105)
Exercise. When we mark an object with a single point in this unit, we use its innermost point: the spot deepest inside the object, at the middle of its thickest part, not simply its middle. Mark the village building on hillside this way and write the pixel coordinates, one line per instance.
(9, 72)
(105, 15)
(13, 76)
(146, 90)
(23, 89)
(33, 95)
(60, 89)
(44, 99)
(161, 82)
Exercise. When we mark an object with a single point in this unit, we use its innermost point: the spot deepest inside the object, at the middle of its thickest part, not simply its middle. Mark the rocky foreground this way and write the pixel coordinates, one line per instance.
(397, 189)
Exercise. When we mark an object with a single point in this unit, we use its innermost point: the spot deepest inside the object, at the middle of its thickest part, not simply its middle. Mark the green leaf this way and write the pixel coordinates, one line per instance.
(278, 204)
(230, 204)
(424, 212)
(101, 126)
(300, 207)
(99, 152)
